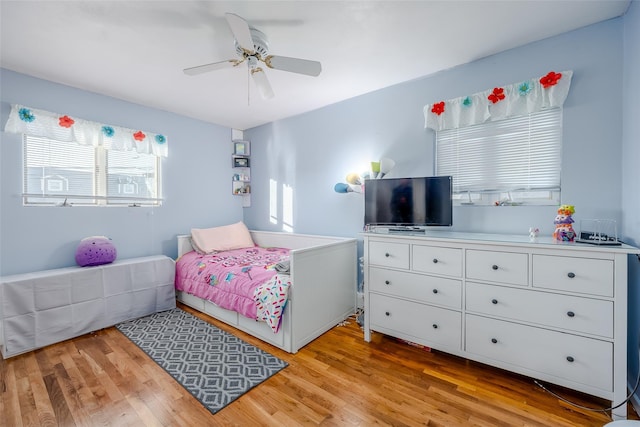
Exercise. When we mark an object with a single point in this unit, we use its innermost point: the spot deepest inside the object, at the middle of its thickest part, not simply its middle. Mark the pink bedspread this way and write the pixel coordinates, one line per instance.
(242, 280)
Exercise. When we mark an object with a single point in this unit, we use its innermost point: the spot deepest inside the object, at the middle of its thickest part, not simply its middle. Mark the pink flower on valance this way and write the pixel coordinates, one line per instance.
(497, 95)
(438, 108)
(139, 136)
(551, 79)
(66, 121)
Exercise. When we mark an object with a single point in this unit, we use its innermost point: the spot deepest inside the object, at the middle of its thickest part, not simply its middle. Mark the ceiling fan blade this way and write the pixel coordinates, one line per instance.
(211, 67)
(241, 32)
(294, 65)
(260, 79)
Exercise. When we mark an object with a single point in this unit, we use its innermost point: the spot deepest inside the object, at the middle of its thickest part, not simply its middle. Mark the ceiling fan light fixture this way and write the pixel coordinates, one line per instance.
(260, 45)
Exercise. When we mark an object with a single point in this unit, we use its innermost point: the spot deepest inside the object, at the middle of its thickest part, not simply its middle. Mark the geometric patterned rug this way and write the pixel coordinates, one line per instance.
(215, 366)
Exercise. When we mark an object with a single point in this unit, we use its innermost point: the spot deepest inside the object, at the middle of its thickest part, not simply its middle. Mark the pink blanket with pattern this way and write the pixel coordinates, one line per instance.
(242, 280)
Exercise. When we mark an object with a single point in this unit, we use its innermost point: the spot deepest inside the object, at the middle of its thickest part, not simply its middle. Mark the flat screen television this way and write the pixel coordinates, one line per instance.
(408, 202)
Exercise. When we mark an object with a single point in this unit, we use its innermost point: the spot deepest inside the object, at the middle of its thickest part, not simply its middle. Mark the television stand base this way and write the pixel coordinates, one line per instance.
(406, 230)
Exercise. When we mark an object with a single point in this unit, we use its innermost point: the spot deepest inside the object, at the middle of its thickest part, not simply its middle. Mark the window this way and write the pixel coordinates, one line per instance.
(511, 161)
(60, 172)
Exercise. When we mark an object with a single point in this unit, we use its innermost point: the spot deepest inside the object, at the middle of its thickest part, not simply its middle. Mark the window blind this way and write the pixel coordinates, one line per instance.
(59, 169)
(520, 153)
(131, 174)
(58, 172)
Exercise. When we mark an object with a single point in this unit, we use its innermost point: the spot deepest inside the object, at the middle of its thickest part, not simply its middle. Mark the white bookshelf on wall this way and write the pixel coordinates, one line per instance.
(241, 165)
(241, 182)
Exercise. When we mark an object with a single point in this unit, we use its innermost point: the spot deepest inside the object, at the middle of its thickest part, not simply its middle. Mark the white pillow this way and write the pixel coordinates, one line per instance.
(227, 237)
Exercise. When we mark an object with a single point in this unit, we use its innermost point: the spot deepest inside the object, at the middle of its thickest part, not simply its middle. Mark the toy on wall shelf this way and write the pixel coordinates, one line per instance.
(564, 230)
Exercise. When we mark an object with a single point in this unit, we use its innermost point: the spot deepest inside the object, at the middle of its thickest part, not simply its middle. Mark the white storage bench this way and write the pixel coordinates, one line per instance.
(45, 307)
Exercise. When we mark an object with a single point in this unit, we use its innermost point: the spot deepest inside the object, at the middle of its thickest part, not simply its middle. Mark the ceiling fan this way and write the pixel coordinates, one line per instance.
(252, 47)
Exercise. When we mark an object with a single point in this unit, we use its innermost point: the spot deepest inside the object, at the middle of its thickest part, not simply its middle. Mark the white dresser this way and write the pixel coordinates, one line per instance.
(549, 310)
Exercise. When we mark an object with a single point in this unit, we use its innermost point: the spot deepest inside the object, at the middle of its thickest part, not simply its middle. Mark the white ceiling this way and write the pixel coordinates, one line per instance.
(136, 50)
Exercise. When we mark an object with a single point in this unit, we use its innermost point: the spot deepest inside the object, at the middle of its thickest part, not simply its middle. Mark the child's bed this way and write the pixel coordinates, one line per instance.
(323, 276)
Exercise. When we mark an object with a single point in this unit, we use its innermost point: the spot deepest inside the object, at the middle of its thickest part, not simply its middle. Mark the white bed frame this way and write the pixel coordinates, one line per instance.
(324, 276)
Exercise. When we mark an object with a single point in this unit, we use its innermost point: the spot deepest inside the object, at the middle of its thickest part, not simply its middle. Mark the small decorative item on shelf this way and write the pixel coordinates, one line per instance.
(240, 162)
(241, 177)
(241, 148)
(564, 230)
(242, 189)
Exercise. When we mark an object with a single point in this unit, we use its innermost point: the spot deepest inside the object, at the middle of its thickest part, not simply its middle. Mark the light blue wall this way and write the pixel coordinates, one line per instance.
(631, 175)
(313, 151)
(196, 180)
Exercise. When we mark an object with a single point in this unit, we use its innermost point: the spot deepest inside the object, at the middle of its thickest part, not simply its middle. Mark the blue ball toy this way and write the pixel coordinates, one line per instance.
(341, 187)
(95, 250)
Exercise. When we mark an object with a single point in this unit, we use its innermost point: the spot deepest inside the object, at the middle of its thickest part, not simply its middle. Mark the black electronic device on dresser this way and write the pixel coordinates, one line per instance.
(407, 203)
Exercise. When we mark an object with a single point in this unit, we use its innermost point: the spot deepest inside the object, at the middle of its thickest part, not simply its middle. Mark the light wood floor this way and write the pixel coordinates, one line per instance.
(337, 380)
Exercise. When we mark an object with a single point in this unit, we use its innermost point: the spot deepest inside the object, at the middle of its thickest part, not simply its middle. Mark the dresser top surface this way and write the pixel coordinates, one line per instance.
(501, 239)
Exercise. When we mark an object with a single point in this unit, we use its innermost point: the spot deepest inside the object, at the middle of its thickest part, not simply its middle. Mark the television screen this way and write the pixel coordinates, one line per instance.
(424, 201)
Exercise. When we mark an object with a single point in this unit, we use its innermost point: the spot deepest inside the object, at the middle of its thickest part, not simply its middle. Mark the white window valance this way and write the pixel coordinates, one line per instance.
(61, 127)
(517, 99)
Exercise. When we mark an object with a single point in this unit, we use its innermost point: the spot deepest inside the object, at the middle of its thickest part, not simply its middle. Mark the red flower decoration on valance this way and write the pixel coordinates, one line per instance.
(66, 121)
(438, 108)
(139, 136)
(550, 79)
(497, 95)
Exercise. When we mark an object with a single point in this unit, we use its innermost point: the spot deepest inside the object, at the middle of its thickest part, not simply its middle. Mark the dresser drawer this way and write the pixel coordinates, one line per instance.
(427, 324)
(502, 267)
(430, 289)
(389, 254)
(571, 313)
(437, 260)
(580, 275)
(556, 355)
